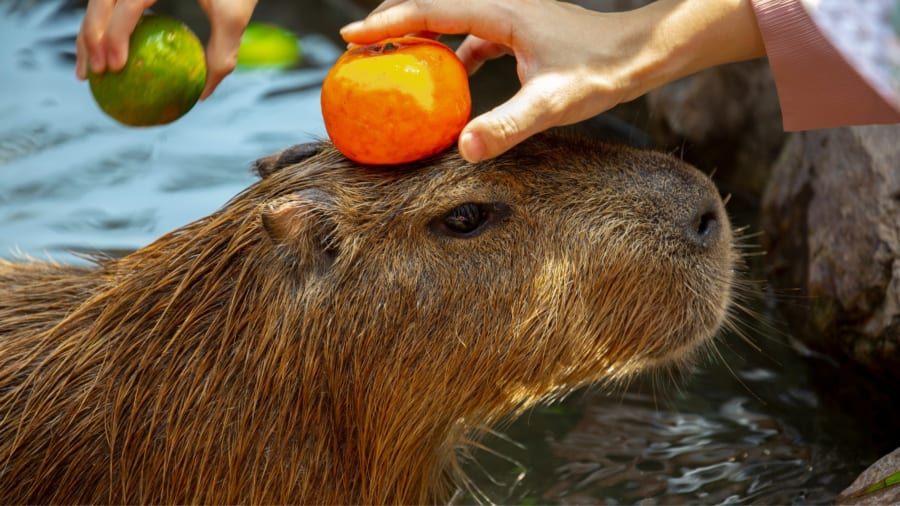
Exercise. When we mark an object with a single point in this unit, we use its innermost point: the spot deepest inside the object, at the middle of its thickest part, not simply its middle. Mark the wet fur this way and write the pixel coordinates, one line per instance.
(319, 340)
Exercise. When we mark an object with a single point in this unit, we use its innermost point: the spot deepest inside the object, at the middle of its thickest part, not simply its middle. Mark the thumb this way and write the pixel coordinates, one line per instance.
(528, 112)
(227, 22)
(221, 57)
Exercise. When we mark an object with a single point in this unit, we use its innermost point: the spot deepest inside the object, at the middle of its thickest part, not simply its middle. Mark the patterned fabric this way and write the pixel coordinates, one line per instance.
(867, 34)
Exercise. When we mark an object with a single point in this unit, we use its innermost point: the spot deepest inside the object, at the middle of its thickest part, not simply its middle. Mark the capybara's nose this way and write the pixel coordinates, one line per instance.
(687, 206)
(702, 225)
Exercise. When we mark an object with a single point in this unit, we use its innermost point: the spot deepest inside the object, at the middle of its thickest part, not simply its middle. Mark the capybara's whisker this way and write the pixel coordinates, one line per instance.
(737, 377)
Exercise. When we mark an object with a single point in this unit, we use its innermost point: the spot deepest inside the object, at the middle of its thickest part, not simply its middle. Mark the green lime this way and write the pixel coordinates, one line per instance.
(162, 80)
(268, 46)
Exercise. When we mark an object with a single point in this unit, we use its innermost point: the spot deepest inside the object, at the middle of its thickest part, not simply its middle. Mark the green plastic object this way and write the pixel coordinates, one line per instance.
(267, 46)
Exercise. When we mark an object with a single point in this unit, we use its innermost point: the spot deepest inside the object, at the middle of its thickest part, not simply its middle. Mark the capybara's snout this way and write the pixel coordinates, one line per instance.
(693, 246)
(677, 208)
(691, 209)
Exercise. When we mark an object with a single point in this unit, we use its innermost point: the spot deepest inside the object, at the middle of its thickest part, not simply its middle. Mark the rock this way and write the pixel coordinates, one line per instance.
(881, 469)
(726, 118)
(831, 219)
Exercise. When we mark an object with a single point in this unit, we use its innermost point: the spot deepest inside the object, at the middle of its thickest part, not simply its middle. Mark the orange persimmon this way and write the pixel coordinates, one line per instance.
(396, 101)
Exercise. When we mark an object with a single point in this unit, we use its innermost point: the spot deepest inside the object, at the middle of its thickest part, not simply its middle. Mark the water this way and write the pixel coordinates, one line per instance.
(752, 429)
(74, 180)
(754, 425)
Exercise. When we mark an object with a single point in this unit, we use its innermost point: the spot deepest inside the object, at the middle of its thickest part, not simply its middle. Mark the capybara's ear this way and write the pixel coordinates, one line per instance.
(302, 226)
(290, 156)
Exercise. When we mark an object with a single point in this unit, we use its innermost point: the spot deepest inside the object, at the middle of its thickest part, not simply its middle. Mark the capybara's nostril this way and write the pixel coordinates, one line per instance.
(704, 227)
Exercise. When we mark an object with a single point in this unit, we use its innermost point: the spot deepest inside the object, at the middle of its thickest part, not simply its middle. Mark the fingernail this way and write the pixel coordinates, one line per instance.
(471, 147)
(352, 27)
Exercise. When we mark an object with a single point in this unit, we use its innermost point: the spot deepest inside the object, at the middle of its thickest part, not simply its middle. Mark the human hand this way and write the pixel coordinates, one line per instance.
(563, 77)
(572, 63)
(102, 42)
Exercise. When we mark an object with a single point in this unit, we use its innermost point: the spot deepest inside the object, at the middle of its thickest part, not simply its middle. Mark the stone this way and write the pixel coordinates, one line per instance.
(881, 469)
(831, 222)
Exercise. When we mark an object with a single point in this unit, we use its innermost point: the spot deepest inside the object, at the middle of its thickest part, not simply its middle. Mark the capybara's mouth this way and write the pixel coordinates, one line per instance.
(666, 267)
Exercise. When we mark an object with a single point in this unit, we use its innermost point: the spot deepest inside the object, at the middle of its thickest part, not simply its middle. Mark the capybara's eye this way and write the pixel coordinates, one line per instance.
(466, 219)
(470, 219)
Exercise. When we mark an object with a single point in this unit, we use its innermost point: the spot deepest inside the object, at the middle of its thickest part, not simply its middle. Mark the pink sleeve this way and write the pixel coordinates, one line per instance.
(817, 87)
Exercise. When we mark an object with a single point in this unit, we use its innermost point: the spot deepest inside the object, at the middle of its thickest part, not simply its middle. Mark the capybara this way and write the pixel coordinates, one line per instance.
(337, 332)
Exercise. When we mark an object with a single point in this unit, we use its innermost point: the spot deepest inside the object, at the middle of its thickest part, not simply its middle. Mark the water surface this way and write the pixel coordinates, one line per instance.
(75, 180)
(755, 425)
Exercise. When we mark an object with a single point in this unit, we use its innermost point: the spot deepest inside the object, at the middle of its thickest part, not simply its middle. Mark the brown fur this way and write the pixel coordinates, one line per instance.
(321, 339)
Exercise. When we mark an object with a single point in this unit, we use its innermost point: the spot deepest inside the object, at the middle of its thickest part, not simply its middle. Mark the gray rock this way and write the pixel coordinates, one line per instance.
(881, 469)
(831, 218)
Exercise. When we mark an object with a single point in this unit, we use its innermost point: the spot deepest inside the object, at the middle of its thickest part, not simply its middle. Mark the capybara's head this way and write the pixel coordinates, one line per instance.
(336, 330)
(565, 261)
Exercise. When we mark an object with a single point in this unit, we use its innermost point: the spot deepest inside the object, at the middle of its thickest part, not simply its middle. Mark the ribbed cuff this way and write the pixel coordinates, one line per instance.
(817, 87)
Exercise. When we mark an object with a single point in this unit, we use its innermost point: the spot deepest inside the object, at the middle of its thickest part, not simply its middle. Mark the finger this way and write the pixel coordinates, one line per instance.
(425, 35)
(421, 35)
(387, 4)
(221, 58)
(390, 3)
(474, 51)
(80, 57)
(224, 41)
(124, 18)
(489, 19)
(92, 33)
(528, 112)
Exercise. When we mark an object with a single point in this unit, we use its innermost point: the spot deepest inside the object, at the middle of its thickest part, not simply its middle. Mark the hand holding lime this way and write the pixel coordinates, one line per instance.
(162, 80)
